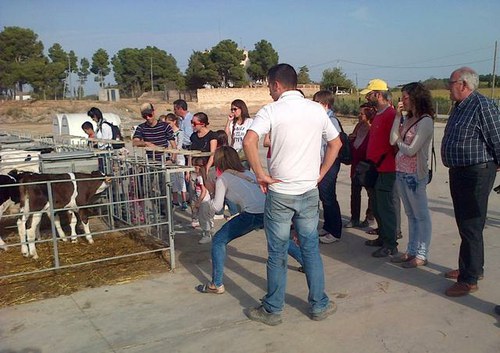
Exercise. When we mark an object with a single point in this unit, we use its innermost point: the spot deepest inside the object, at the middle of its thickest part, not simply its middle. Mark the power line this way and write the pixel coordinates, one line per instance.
(399, 67)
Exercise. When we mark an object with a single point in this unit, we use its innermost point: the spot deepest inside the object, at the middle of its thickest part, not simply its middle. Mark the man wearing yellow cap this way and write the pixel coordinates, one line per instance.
(382, 153)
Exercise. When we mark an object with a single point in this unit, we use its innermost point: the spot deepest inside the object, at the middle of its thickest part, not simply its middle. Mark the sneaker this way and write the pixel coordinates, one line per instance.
(219, 216)
(261, 315)
(352, 224)
(184, 206)
(205, 239)
(328, 239)
(195, 223)
(385, 251)
(330, 309)
(210, 288)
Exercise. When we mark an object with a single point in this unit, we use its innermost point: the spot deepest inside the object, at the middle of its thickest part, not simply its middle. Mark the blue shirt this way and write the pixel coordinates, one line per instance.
(187, 128)
(472, 133)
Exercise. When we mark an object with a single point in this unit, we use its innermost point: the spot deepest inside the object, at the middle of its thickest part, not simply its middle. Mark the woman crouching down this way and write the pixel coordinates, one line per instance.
(238, 185)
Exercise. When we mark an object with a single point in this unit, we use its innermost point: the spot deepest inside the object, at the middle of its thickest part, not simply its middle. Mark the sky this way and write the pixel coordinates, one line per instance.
(398, 41)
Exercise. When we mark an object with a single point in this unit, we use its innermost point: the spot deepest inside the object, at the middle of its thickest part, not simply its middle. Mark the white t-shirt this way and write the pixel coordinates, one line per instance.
(298, 126)
(104, 132)
(239, 133)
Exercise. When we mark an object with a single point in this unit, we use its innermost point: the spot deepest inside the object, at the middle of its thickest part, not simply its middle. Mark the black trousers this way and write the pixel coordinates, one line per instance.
(470, 188)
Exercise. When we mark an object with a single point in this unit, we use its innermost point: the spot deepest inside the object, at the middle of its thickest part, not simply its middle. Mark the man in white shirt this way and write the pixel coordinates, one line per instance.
(295, 168)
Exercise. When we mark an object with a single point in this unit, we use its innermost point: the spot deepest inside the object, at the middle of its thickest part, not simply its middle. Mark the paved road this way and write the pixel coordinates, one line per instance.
(381, 306)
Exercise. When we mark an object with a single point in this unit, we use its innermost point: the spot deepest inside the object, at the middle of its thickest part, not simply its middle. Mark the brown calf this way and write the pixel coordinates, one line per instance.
(69, 191)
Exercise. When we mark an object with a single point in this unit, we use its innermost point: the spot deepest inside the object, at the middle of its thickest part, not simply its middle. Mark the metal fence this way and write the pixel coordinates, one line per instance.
(138, 199)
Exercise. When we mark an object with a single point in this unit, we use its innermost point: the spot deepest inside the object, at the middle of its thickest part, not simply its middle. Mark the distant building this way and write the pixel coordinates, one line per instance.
(21, 96)
(109, 94)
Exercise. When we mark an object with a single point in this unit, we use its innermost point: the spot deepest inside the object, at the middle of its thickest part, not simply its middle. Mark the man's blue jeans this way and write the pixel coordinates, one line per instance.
(328, 196)
(303, 211)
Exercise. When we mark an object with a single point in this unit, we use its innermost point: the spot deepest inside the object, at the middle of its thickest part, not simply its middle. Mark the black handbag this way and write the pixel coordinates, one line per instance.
(433, 161)
(366, 174)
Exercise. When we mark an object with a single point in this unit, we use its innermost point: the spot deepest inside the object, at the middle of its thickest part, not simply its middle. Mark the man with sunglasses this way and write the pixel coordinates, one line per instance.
(153, 133)
(471, 150)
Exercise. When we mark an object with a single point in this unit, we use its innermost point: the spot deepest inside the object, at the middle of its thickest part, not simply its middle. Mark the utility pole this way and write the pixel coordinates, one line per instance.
(152, 89)
(493, 77)
(69, 78)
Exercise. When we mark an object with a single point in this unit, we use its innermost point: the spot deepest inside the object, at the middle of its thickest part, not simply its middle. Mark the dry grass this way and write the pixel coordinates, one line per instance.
(50, 284)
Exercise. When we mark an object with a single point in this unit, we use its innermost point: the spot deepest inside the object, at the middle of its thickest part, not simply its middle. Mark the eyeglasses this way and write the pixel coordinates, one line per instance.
(452, 82)
(147, 116)
(234, 109)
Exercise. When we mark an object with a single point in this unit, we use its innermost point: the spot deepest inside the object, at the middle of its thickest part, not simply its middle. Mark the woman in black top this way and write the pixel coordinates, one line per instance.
(203, 139)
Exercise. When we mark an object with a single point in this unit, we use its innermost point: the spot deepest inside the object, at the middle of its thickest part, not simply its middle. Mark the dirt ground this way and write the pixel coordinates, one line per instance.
(53, 283)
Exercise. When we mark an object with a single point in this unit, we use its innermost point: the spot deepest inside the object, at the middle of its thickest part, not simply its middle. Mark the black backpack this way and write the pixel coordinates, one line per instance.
(345, 153)
(117, 135)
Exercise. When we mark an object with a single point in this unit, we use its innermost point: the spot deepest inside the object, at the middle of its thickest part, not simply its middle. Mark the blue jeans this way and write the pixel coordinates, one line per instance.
(280, 211)
(236, 227)
(414, 196)
(328, 196)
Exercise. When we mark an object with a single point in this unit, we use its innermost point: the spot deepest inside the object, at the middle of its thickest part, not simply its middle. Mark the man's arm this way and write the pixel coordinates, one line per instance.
(332, 151)
(251, 148)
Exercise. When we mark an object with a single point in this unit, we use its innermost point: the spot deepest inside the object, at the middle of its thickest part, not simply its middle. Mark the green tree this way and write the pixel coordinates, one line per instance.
(164, 69)
(129, 71)
(66, 66)
(227, 59)
(335, 78)
(133, 67)
(20, 53)
(261, 60)
(303, 75)
(100, 66)
(83, 73)
(201, 70)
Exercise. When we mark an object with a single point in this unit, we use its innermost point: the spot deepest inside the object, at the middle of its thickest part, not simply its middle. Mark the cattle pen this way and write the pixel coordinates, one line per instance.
(137, 202)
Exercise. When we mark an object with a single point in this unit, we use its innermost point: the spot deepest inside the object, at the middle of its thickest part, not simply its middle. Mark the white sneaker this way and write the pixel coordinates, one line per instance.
(219, 216)
(205, 239)
(322, 232)
(328, 239)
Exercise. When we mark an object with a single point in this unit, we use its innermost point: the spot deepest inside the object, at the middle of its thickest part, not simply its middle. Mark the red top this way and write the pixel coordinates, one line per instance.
(358, 154)
(378, 144)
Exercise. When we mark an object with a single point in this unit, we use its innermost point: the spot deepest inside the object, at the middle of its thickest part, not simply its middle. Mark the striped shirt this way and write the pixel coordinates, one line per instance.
(159, 135)
(472, 133)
